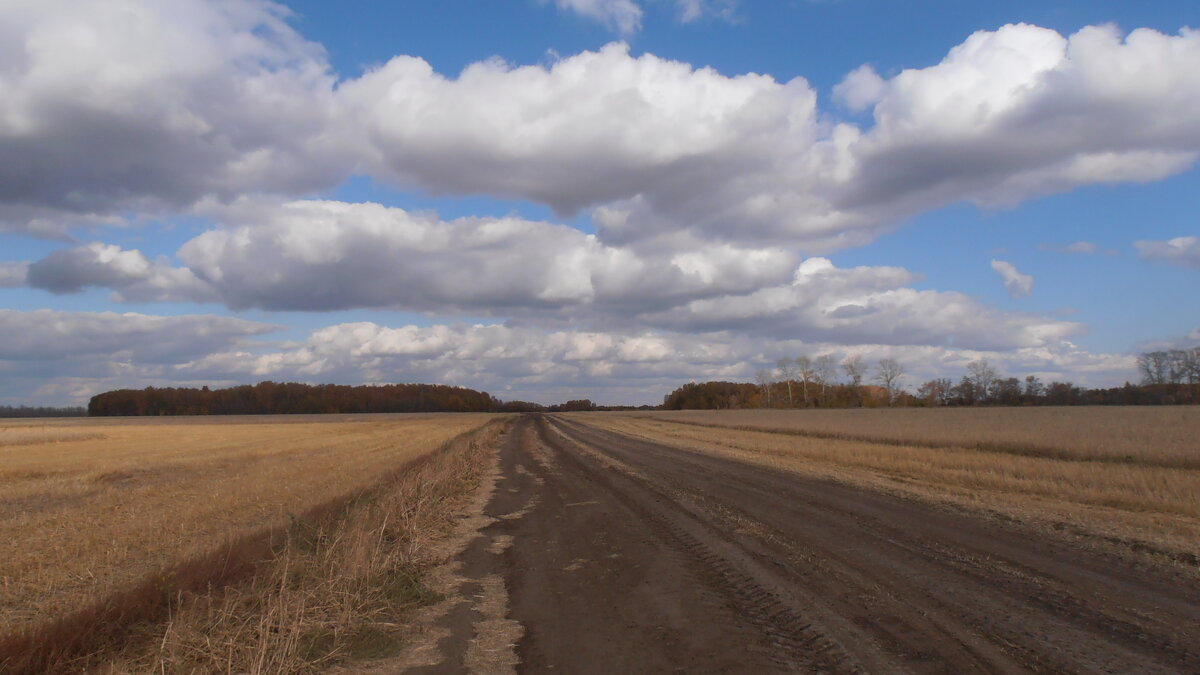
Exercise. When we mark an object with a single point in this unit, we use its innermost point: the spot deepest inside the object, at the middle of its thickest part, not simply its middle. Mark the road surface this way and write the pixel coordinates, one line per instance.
(624, 556)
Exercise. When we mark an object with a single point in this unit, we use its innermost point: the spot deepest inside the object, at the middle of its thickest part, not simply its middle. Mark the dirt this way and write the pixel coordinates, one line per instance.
(601, 553)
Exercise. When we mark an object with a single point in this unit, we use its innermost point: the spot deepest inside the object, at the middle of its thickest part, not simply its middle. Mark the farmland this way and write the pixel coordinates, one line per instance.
(1124, 476)
(89, 507)
(770, 541)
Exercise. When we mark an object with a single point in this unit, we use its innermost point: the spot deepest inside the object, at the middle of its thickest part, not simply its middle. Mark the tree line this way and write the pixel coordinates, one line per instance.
(1168, 378)
(8, 411)
(272, 398)
(284, 398)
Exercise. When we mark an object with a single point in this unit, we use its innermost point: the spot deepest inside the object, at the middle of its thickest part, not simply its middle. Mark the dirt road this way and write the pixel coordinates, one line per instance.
(619, 555)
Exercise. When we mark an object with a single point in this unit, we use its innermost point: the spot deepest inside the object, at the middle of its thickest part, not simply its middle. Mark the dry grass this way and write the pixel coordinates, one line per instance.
(1163, 436)
(1138, 502)
(336, 593)
(110, 503)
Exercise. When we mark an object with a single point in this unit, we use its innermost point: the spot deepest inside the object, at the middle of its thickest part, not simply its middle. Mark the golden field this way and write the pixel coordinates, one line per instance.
(88, 506)
(1123, 476)
(1164, 435)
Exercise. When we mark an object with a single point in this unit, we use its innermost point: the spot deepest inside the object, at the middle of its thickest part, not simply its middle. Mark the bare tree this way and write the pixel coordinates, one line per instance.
(824, 371)
(787, 371)
(888, 374)
(983, 378)
(804, 368)
(765, 380)
(1154, 367)
(854, 369)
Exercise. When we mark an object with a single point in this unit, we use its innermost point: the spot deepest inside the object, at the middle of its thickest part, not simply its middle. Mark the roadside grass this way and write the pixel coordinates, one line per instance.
(1137, 504)
(330, 586)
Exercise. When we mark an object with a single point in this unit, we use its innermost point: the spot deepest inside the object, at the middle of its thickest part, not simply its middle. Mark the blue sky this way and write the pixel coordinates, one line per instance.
(554, 199)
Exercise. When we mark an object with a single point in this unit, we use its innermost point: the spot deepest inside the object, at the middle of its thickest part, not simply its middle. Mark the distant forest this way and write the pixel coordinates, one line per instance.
(7, 411)
(287, 398)
(271, 398)
(1168, 378)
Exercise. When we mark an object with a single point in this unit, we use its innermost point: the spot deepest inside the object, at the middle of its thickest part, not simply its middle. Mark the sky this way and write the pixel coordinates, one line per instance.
(604, 199)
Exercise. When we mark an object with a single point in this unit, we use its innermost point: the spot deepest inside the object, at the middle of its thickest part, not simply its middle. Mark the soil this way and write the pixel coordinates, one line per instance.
(618, 555)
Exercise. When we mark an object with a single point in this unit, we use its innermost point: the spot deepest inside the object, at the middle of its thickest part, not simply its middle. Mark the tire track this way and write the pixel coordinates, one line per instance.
(799, 642)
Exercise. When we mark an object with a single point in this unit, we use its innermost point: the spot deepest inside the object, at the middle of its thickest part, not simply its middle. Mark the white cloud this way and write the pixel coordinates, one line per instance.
(1017, 284)
(140, 105)
(47, 335)
(860, 89)
(133, 276)
(624, 16)
(63, 357)
(324, 255)
(663, 150)
(664, 153)
(611, 366)
(1182, 251)
(693, 10)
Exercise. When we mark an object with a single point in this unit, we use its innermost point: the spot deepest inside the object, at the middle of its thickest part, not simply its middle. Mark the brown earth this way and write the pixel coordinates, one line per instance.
(622, 555)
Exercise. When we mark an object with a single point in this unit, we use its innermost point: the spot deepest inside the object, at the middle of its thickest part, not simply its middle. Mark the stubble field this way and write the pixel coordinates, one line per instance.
(1123, 476)
(998, 539)
(91, 507)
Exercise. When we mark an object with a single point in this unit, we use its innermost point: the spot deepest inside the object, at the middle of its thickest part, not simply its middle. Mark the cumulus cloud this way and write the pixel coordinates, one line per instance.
(319, 255)
(866, 305)
(1023, 111)
(47, 335)
(63, 357)
(613, 366)
(1017, 284)
(144, 106)
(325, 255)
(60, 358)
(860, 89)
(129, 273)
(661, 152)
(661, 149)
(1182, 251)
(322, 255)
(588, 129)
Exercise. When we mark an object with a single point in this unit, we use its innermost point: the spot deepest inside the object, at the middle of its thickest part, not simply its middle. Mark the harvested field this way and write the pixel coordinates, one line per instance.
(1128, 477)
(87, 506)
(1163, 435)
